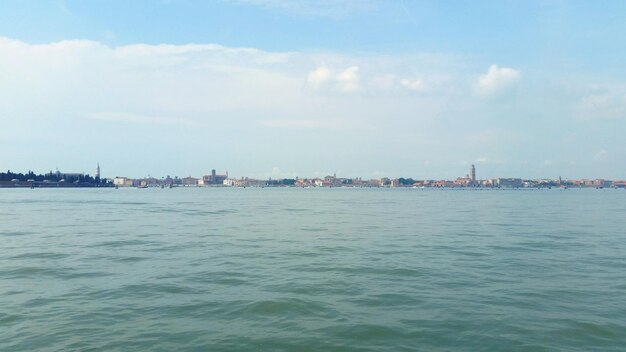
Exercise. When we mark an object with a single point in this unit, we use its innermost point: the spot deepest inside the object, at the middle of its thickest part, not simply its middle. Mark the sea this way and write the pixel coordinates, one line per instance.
(312, 269)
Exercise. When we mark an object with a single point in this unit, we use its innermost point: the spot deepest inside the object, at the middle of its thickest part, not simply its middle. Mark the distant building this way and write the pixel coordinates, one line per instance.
(97, 171)
(189, 181)
(373, 183)
(244, 182)
(123, 181)
(149, 181)
(463, 181)
(64, 175)
(473, 175)
(619, 184)
(510, 182)
(600, 183)
(213, 179)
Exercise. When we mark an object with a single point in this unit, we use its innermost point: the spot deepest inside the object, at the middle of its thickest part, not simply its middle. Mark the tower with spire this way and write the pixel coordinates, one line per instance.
(473, 175)
(98, 170)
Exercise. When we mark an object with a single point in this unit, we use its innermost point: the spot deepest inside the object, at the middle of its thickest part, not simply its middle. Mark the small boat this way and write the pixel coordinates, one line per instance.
(142, 186)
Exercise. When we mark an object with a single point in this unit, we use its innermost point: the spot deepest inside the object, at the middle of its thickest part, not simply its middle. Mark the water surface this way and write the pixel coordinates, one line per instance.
(225, 269)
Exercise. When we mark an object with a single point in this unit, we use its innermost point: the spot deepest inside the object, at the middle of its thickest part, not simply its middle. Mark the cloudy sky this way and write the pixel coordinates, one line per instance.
(288, 88)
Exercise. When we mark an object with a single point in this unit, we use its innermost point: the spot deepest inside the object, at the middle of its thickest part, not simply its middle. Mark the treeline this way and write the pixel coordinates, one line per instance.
(402, 182)
(50, 177)
(283, 182)
(406, 181)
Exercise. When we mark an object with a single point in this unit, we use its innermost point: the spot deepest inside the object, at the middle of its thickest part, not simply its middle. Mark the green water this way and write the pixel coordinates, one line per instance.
(208, 269)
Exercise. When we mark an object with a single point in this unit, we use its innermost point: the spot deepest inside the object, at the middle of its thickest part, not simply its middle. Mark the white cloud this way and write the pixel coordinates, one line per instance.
(193, 80)
(319, 77)
(348, 80)
(595, 101)
(497, 79)
(245, 99)
(415, 84)
(601, 155)
(606, 105)
(427, 83)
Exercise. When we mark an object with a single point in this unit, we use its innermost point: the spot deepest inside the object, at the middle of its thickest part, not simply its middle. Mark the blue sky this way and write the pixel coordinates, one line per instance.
(305, 88)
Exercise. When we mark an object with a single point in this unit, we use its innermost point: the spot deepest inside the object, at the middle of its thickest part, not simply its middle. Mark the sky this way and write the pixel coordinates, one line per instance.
(286, 88)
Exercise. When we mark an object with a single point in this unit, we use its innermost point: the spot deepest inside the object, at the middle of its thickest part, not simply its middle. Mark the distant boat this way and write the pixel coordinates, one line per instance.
(142, 186)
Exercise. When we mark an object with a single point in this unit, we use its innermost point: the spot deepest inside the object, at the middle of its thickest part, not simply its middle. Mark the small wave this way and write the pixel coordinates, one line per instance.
(56, 272)
(144, 290)
(288, 307)
(16, 233)
(314, 229)
(40, 255)
(123, 243)
(586, 330)
(227, 278)
(8, 319)
(388, 300)
(296, 210)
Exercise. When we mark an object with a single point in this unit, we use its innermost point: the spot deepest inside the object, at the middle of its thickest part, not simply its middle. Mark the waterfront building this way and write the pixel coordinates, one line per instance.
(303, 182)
(149, 181)
(167, 181)
(189, 181)
(123, 181)
(510, 182)
(530, 184)
(619, 184)
(59, 175)
(601, 183)
(213, 179)
(462, 181)
(233, 182)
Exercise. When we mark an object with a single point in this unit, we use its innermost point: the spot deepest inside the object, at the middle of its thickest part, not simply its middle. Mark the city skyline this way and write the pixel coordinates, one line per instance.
(214, 178)
(470, 174)
(289, 88)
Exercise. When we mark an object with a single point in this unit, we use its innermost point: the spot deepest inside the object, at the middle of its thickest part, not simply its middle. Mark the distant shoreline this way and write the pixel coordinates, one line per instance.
(43, 184)
(52, 185)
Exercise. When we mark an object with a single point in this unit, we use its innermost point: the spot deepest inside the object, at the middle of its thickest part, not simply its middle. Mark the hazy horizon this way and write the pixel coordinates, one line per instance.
(303, 88)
